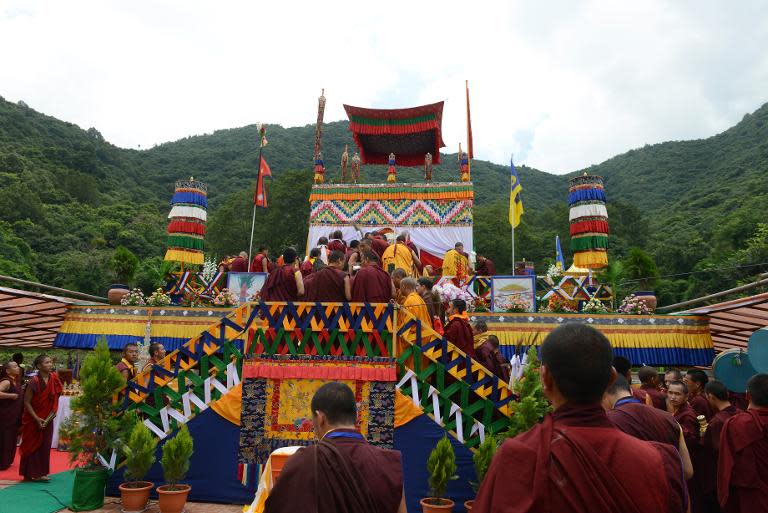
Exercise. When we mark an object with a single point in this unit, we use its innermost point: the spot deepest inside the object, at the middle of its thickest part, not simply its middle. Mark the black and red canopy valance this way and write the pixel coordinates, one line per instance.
(408, 133)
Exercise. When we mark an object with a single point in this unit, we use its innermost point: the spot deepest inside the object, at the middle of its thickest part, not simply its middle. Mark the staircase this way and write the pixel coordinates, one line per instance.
(456, 391)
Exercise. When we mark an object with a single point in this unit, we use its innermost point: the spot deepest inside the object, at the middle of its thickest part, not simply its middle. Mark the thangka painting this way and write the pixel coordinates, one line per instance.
(513, 293)
(278, 390)
(245, 286)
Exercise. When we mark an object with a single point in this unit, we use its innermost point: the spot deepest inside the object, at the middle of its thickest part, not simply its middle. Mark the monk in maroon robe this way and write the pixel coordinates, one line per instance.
(261, 262)
(742, 466)
(642, 421)
(458, 331)
(372, 284)
(489, 356)
(485, 266)
(337, 243)
(284, 283)
(576, 461)
(342, 473)
(717, 395)
(11, 403)
(378, 243)
(240, 263)
(41, 401)
(677, 404)
(649, 392)
(696, 380)
(329, 284)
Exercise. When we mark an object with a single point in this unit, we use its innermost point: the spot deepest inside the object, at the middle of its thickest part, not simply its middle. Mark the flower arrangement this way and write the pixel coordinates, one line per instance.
(595, 306)
(557, 304)
(554, 273)
(194, 300)
(134, 298)
(158, 298)
(632, 305)
(482, 305)
(449, 292)
(515, 303)
(210, 268)
(226, 298)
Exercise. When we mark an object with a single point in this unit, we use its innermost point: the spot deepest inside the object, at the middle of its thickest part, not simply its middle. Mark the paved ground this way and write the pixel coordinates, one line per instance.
(112, 505)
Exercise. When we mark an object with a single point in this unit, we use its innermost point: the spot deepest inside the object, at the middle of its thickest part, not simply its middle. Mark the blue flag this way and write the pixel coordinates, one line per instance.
(559, 254)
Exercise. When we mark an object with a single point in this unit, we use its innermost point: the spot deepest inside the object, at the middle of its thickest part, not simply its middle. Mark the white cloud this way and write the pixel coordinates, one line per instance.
(562, 85)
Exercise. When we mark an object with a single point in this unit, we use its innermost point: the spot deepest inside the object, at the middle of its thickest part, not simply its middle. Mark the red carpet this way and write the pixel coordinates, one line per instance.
(59, 463)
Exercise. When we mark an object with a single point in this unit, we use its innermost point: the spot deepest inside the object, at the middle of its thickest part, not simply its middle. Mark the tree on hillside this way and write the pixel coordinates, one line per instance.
(639, 271)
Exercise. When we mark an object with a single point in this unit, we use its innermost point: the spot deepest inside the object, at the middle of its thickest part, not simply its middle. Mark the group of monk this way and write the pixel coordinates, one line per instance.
(606, 447)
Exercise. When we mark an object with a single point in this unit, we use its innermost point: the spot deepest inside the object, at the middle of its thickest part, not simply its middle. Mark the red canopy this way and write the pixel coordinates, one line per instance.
(408, 133)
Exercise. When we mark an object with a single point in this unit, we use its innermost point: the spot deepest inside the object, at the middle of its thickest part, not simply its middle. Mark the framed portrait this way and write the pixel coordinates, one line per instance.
(513, 293)
(245, 285)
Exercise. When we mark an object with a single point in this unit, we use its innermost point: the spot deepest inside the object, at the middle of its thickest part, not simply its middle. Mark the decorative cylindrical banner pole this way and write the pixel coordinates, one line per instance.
(588, 222)
(186, 228)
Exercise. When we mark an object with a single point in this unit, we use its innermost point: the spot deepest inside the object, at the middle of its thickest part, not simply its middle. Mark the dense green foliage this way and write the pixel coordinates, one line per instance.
(441, 466)
(533, 405)
(93, 428)
(482, 459)
(68, 199)
(176, 454)
(139, 452)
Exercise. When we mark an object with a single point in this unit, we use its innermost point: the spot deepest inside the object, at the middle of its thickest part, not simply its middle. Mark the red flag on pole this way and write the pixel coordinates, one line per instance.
(260, 197)
(470, 149)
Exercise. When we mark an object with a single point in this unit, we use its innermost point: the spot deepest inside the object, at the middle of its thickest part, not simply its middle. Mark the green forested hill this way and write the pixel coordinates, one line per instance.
(68, 198)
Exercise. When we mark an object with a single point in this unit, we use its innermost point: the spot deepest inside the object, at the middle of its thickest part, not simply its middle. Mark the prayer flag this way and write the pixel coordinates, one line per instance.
(515, 201)
(559, 254)
(260, 197)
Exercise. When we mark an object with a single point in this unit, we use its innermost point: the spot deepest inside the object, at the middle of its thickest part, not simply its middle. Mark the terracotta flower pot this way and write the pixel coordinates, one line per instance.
(648, 297)
(116, 292)
(468, 505)
(428, 506)
(172, 501)
(134, 495)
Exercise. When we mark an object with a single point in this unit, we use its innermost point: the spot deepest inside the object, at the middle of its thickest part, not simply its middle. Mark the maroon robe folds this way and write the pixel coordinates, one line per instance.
(686, 417)
(644, 422)
(700, 405)
(281, 285)
(339, 475)
(257, 264)
(337, 245)
(239, 265)
(487, 268)
(490, 358)
(379, 246)
(306, 267)
(10, 419)
(327, 284)
(371, 284)
(658, 398)
(742, 468)
(708, 453)
(459, 332)
(35, 449)
(576, 461)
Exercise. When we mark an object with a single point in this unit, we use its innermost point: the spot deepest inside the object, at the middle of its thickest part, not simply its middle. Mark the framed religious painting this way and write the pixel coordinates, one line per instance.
(513, 294)
(246, 286)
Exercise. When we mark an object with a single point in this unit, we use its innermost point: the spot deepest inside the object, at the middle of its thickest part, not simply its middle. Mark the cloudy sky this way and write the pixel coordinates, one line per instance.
(561, 85)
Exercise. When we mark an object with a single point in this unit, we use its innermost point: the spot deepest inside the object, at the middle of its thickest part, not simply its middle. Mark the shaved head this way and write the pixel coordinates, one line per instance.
(646, 374)
(757, 387)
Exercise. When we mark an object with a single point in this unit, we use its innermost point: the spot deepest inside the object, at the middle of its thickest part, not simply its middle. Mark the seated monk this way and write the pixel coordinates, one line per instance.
(284, 283)
(456, 261)
(742, 465)
(372, 284)
(413, 302)
(329, 284)
(458, 331)
(649, 392)
(342, 472)
(399, 256)
(576, 461)
(240, 263)
(637, 419)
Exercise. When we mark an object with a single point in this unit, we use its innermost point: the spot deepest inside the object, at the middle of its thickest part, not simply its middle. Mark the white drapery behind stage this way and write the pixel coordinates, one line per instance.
(435, 240)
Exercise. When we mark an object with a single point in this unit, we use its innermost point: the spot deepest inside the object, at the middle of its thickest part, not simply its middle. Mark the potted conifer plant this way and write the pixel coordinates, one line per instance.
(94, 429)
(139, 453)
(175, 463)
(482, 460)
(441, 466)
